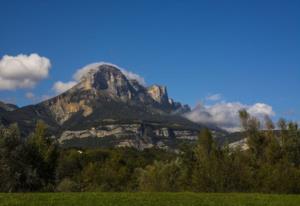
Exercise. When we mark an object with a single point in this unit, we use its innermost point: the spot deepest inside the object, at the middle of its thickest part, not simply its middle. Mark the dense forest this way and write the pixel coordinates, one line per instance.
(270, 163)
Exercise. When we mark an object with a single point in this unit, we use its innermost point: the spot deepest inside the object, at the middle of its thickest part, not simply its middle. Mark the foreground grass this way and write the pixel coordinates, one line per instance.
(145, 199)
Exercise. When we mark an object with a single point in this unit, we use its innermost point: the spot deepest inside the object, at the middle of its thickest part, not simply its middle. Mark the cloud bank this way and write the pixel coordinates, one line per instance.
(22, 71)
(225, 114)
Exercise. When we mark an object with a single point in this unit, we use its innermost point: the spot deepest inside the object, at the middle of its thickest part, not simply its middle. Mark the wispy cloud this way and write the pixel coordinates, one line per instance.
(30, 95)
(60, 87)
(214, 97)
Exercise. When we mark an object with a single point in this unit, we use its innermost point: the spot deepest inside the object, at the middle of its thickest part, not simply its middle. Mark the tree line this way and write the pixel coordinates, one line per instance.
(269, 163)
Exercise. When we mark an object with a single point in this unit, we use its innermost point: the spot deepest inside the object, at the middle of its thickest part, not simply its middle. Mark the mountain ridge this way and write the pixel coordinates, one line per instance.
(106, 103)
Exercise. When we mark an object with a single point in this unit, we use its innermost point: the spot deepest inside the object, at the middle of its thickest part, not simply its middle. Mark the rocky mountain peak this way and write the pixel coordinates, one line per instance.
(158, 93)
(108, 79)
(106, 84)
(101, 69)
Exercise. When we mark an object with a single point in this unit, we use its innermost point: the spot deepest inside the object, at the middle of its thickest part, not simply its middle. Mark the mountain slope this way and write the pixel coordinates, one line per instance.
(108, 109)
(7, 107)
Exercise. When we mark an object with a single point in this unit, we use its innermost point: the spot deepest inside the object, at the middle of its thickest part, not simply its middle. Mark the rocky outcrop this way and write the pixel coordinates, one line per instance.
(117, 130)
(158, 94)
(63, 108)
(109, 80)
(139, 136)
(242, 144)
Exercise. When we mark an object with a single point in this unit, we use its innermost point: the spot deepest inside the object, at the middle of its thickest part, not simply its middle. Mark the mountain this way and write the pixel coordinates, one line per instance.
(7, 107)
(108, 109)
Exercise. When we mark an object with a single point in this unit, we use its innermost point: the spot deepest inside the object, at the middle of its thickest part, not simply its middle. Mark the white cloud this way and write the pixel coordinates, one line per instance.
(80, 73)
(214, 97)
(225, 114)
(60, 87)
(22, 71)
(260, 110)
(30, 95)
(133, 76)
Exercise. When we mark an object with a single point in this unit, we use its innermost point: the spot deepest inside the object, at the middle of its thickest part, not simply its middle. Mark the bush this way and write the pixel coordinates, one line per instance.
(67, 185)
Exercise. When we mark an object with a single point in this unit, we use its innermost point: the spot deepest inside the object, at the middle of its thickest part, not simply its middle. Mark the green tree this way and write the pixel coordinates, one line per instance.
(160, 176)
(20, 163)
(206, 174)
(256, 140)
(42, 153)
(244, 118)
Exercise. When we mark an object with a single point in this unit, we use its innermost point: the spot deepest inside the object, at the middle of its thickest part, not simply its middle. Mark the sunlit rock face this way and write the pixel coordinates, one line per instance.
(63, 108)
(139, 136)
(159, 94)
(111, 81)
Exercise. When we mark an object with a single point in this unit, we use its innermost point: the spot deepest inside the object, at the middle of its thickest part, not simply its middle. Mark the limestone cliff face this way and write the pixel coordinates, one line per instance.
(64, 108)
(158, 94)
(139, 136)
(109, 80)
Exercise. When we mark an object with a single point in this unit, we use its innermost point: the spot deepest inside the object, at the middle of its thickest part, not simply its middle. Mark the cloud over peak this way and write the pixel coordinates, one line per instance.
(60, 87)
(129, 75)
(22, 71)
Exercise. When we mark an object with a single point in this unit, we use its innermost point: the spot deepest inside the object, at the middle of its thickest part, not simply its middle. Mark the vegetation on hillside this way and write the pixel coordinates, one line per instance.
(271, 164)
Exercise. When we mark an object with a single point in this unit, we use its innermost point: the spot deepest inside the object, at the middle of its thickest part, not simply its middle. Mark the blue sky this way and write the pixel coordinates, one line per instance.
(247, 51)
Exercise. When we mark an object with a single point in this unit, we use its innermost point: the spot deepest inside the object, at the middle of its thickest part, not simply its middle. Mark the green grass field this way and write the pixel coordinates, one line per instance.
(145, 199)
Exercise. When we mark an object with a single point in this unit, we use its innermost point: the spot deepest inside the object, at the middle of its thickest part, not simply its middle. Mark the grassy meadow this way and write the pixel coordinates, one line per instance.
(145, 199)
